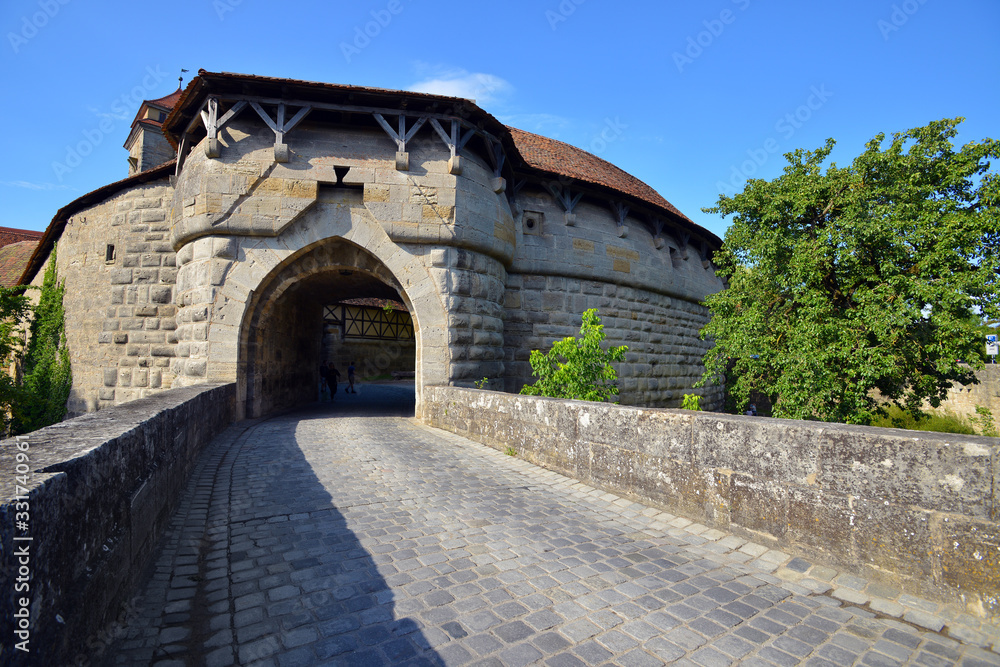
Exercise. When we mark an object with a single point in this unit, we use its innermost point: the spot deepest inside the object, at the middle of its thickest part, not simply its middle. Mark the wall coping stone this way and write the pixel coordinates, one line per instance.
(913, 510)
(102, 488)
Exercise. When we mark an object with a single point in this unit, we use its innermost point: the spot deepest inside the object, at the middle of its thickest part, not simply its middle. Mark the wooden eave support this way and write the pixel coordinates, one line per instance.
(454, 142)
(213, 123)
(401, 137)
(454, 137)
(567, 200)
(280, 127)
(621, 214)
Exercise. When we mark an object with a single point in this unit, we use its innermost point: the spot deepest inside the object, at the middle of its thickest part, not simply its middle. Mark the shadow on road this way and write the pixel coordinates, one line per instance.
(271, 569)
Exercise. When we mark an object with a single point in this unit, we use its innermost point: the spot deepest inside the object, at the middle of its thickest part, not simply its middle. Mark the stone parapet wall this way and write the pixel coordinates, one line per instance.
(101, 489)
(916, 511)
(119, 311)
(664, 359)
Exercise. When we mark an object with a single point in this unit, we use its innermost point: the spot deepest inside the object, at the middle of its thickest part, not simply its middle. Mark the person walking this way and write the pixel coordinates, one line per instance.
(323, 384)
(332, 377)
(350, 379)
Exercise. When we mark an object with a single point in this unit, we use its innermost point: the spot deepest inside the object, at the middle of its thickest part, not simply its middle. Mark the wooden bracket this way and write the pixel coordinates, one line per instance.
(658, 240)
(621, 214)
(213, 123)
(400, 137)
(451, 140)
(567, 200)
(280, 127)
(685, 240)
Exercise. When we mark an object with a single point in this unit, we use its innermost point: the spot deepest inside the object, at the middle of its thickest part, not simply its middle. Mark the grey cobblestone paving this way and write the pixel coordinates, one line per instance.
(349, 535)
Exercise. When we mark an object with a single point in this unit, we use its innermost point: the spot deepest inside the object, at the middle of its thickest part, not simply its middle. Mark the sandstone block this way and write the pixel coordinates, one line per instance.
(195, 367)
(121, 276)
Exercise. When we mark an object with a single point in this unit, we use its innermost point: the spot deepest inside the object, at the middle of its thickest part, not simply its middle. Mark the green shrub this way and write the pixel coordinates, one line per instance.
(691, 402)
(984, 422)
(935, 422)
(577, 368)
(14, 308)
(47, 377)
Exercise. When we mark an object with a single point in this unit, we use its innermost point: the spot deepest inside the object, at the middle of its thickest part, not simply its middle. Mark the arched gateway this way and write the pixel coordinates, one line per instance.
(285, 196)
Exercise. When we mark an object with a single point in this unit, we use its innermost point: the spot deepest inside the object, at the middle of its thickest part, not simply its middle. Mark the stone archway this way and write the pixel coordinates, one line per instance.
(279, 342)
(226, 281)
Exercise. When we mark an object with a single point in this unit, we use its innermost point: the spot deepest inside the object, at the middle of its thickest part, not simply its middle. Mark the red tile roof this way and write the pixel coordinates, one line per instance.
(167, 101)
(13, 258)
(560, 159)
(9, 235)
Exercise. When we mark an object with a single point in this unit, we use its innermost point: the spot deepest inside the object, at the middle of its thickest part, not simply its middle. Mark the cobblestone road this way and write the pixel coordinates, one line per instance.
(348, 534)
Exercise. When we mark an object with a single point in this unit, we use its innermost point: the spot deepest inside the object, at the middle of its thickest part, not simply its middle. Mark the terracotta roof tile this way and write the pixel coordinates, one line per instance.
(562, 159)
(13, 259)
(9, 235)
(167, 101)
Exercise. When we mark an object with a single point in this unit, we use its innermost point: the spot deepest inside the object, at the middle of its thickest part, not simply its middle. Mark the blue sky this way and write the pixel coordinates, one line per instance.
(690, 97)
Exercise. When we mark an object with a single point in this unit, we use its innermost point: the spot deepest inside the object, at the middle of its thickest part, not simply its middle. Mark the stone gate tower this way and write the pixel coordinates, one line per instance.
(285, 196)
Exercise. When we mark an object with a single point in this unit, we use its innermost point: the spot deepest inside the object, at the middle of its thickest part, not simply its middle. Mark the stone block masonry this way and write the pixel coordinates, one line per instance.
(101, 490)
(119, 270)
(916, 511)
(185, 273)
(664, 355)
(964, 399)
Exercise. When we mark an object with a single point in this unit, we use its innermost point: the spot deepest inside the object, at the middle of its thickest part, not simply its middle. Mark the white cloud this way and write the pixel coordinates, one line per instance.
(34, 186)
(478, 86)
(121, 115)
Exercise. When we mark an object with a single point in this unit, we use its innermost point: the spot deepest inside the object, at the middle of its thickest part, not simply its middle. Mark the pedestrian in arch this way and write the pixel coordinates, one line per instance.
(332, 377)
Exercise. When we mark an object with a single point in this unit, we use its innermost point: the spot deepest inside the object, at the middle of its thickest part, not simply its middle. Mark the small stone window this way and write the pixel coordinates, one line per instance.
(109, 254)
(531, 223)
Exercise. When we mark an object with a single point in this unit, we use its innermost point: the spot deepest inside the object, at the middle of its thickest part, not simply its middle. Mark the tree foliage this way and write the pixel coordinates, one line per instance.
(46, 379)
(577, 368)
(14, 308)
(859, 281)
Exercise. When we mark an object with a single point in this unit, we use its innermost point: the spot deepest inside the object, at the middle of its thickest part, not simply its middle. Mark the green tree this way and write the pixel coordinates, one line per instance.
(577, 368)
(46, 380)
(860, 281)
(14, 308)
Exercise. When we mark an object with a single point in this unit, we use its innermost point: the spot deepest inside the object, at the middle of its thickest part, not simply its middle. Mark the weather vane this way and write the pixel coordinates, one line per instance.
(180, 79)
